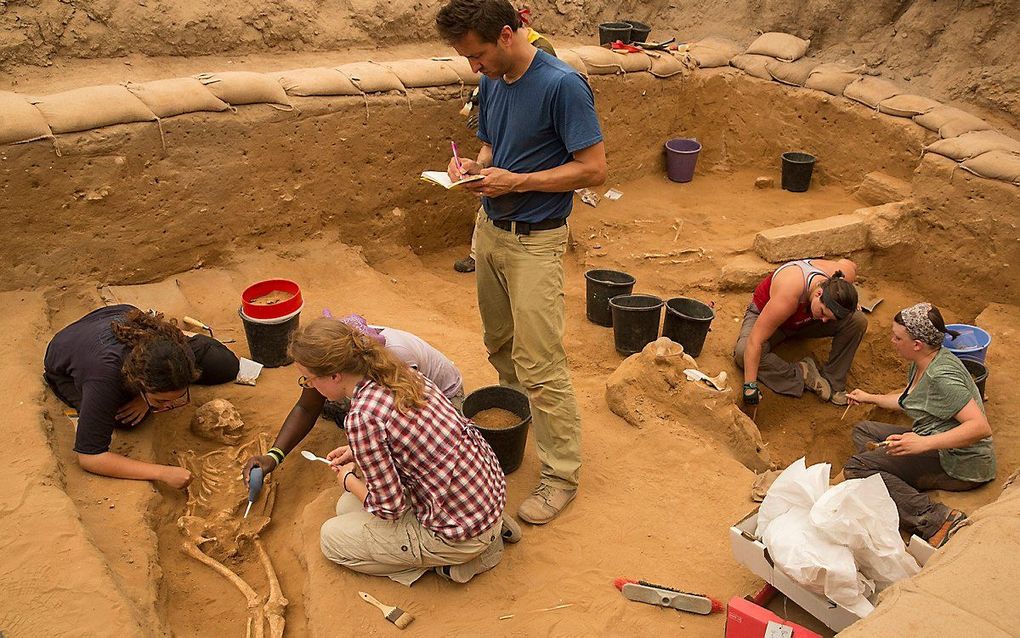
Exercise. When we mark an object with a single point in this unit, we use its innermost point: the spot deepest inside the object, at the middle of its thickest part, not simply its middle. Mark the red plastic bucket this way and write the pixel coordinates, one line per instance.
(287, 300)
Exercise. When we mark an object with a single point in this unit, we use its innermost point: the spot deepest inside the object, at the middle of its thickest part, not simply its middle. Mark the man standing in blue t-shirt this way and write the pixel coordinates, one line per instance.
(540, 141)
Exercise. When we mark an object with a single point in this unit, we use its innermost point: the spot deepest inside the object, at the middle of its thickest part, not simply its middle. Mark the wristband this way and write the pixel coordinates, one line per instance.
(277, 454)
(349, 473)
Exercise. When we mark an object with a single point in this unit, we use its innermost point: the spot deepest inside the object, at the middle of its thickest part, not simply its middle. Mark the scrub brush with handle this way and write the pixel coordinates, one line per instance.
(645, 592)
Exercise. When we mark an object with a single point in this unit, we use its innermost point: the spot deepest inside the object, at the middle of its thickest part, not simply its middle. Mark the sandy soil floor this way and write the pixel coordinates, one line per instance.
(654, 504)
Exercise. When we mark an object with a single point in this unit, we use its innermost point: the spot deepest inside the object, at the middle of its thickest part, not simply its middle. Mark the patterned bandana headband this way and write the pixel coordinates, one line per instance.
(919, 326)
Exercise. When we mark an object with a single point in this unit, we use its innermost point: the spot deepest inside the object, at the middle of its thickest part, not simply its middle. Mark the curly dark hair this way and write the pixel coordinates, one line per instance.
(485, 17)
(159, 359)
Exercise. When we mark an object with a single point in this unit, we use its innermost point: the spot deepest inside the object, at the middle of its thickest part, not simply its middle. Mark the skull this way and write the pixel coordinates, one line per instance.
(218, 420)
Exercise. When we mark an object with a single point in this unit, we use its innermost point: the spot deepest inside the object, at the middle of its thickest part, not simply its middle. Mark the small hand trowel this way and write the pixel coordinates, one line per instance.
(255, 478)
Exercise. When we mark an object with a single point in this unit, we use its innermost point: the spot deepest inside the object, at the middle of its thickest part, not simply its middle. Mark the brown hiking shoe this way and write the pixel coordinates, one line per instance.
(545, 504)
(839, 398)
(954, 522)
(813, 379)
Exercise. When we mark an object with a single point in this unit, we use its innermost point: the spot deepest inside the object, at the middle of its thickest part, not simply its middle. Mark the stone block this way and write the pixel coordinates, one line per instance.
(879, 188)
(834, 236)
(890, 225)
(743, 272)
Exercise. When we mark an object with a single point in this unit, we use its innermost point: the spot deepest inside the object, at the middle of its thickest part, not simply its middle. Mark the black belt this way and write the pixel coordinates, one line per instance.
(525, 228)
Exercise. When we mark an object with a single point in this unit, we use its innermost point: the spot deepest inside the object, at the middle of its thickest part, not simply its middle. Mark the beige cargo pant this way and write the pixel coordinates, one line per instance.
(402, 549)
(520, 299)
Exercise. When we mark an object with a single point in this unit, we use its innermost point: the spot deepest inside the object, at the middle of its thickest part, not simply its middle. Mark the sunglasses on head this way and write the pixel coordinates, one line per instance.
(172, 404)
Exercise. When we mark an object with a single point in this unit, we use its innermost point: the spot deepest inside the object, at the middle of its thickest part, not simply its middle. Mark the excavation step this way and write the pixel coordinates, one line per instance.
(832, 236)
(879, 188)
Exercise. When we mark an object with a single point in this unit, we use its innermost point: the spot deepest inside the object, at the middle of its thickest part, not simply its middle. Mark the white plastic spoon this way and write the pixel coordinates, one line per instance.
(311, 457)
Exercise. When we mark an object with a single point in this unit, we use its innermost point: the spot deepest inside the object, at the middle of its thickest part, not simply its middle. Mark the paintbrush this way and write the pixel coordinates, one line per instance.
(848, 405)
(395, 615)
(871, 445)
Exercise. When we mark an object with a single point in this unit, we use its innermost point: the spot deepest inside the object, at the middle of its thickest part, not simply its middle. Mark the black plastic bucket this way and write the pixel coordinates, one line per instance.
(635, 321)
(509, 443)
(600, 287)
(268, 339)
(613, 31)
(979, 372)
(797, 168)
(639, 31)
(687, 322)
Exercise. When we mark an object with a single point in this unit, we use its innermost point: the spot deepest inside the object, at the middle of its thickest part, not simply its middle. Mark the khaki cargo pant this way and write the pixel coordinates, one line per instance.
(520, 299)
(402, 549)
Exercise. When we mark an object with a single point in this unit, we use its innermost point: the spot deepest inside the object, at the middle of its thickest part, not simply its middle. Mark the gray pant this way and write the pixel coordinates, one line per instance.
(904, 477)
(783, 377)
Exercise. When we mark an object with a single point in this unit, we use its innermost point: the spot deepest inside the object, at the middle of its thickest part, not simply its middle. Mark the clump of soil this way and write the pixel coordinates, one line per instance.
(270, 298)
(496, 419)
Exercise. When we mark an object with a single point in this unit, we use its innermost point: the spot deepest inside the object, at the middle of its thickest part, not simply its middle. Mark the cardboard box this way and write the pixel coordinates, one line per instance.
(752, 553)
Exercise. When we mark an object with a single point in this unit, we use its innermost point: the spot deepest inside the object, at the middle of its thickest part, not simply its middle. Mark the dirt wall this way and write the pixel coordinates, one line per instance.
(120, 205)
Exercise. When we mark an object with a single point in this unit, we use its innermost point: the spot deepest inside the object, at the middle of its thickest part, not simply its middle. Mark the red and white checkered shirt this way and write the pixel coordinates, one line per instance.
(432, 454)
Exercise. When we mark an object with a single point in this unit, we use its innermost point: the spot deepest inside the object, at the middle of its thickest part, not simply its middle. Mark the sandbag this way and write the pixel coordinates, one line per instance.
(92, 107)
(1000, 165)
(19, 120)
(907, 105)
(244, 87)
(666, 65)
(176, 96)
(832, 77)
(870, 91)
(573, 59)
(315, 81)
(602, 61)
(462, 68)
(756, 65)
(950, 121)
(371, 77)
(781, 46)
(792, 73)
(416, 74)
(713, 52)
(973, 144)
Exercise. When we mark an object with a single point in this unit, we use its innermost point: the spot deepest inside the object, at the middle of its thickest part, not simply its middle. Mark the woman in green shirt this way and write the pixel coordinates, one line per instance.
(949, 446)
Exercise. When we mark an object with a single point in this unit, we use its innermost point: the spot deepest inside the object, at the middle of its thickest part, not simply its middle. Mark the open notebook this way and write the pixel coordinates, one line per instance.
(441, 178)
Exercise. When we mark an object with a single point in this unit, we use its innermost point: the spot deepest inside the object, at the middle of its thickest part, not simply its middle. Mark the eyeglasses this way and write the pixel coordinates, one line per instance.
(306, 382)
(172, 404)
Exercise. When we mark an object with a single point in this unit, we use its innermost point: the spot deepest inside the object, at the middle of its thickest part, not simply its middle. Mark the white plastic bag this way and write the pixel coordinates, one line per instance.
(801, 552)
(861, 515)
(798, 486)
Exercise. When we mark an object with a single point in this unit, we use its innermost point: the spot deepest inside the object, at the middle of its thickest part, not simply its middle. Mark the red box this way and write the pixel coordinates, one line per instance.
(744, 619)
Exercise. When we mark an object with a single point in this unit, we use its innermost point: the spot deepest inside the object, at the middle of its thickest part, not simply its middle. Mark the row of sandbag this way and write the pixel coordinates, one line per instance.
(24, 118)
(964, 137)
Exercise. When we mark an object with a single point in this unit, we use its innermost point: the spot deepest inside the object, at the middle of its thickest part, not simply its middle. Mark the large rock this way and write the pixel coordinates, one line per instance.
(829, 237)
(743, 272)
(890, 225)
(649, 389)
(879, 188)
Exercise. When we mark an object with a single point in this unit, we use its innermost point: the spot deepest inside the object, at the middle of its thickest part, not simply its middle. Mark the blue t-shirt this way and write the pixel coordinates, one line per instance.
(535, 124)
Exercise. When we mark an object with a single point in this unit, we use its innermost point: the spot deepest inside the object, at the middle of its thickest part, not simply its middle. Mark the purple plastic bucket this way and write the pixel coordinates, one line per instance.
(681, 158)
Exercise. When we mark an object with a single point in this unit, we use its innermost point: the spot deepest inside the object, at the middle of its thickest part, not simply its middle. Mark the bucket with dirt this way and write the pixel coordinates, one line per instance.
(635, 321)
(639, 31)
(600, 287)
(797, 169)
(613, 31)
(688, 322)
(979, 372)
(971, 342)
(271, 311)
(682, 158)
(502, 415)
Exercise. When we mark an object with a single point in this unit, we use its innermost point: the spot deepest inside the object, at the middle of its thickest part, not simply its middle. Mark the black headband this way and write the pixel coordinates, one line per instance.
(838, 310)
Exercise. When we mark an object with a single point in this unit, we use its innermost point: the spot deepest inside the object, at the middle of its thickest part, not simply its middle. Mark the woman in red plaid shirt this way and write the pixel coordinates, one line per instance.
(431, 493)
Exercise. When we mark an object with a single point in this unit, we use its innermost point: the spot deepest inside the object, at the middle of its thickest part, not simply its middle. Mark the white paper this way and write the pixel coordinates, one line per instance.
(248, 372)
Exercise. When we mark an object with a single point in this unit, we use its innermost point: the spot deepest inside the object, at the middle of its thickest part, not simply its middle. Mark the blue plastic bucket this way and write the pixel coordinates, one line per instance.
(972, 342)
